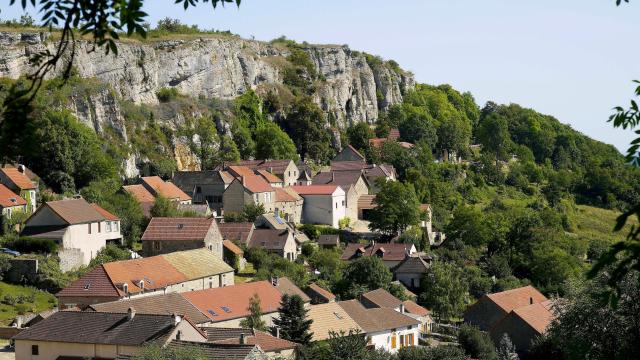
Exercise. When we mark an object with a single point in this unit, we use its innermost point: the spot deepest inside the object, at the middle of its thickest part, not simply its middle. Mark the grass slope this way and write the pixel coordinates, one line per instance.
(42, 301)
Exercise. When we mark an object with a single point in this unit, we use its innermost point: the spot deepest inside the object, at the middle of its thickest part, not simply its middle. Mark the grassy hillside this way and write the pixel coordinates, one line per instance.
(17, 300)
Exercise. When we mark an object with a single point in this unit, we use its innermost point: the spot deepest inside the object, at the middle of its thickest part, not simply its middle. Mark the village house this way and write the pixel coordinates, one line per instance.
(17, 180)
(215, 351)
(158, 187)
(411, 270)
(366, 203)
(323, 204)
(237, 232)
(80, 229)
(273, 180)
(273, 221)
(288, 287)
(319, 295)
(181, 271)
(352, 182)
(204, 187)
(289, 204)
(523, 314)
(95, 335)
(330, 317)
(233, 251)
(349, 153)
(385, 328)
(284, 169)
(273, 347)
(166, 235)
(304, 179)
(391, 254)
(381, 298)
(275, 241)
(248, 190)
(228, 306)
(329, 241)
(10, 203)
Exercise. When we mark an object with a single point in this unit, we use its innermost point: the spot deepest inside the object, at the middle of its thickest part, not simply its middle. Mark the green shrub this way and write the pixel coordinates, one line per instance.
(167, 94)
(32, 245)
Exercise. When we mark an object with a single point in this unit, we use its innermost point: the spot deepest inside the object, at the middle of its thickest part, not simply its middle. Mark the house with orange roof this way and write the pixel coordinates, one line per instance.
(177, 272)
(80, 229)
(272, 179)
(17, 180)
(248, 189)
(283, 169)
(153, 186)
(11, 203)
(524, 324)
(323, 204)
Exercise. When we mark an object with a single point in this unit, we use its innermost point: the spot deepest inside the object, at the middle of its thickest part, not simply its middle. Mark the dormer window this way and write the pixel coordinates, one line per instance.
(125, 288)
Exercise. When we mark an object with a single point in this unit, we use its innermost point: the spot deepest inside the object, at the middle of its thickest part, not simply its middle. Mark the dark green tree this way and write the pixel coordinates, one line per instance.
(493, 134)
(476, 344)
(359, 135)
(397, 208)
(273, 143)
(362, 275)
(443, 290)
(254, 319)
(305, 125)
(164, 207)
(252, 211)
(293, 321)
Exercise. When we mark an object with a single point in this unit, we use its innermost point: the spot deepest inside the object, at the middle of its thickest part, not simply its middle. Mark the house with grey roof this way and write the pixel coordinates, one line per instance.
(79, 334)
(216, 351)
(411, 270)
(204, 187)
(276, 241)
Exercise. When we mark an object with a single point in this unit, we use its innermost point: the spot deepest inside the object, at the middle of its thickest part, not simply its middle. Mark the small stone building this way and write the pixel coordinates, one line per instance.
(166, 235)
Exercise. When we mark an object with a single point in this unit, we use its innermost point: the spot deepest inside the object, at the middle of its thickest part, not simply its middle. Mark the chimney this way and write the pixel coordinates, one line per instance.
(402, 308)
(242, 179)
(243, 339)
(274, 281)
(278, 332)
(333, 176)
(21, 168)
(131, 313)
(176, 319)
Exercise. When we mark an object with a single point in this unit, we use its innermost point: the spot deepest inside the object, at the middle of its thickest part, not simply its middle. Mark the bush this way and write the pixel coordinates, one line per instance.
(344, 222)
(167, 94)
(32, 245)
(476, 343)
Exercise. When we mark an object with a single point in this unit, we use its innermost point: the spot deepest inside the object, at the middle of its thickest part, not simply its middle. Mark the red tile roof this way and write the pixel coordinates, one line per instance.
(394, 134)
(8, 198)
(140, 193)
(377, 142)
(156, 272)
(390, 251)
(236, 231)
(413, 308)
(239, 171)
(275, 166)
(107, 215)
(315, 189)
(166, 189)
(516, 298)
(317, 290)
(255, 184)
(367, 202)
(177, 229)
(229, 245)
(75, 211)
(19, 179)
(232, 302)
(269, 177)
(267, 342)
(286, 195)
(94, 283)
(538, 316)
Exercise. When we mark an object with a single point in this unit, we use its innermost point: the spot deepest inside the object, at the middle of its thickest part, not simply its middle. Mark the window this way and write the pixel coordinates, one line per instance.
(179, 335)
(401, 341)
(99, 227)
(336, 205)
(116, 226)
(108, 226)
(342, 202)
(89, 227)
(156, 245)
(393, 341)
(410, 340)
(8, 213)
(35, 350)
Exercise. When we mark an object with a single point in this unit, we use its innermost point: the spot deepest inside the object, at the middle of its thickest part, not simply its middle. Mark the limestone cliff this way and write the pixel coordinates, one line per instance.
(220, 67)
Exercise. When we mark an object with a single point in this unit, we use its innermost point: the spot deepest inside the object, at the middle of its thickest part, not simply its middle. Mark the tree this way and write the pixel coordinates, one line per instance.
(506, 349)
(228, 150)
(252, 211)
(254, 320)
(347, 346)
(493, 134)
(164, 207)
(203, 140)
(273, 143)
(359, 135)
(442, 352)
(397, 208)
(362, 275)
(453, 135)
(476, 344)
(442, 289)
(156, 352)
(418, 126)
(305, 124)
(468, 227)
(293, 321)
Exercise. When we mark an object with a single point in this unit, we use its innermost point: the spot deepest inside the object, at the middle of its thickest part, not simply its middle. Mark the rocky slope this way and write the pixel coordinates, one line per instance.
(216, 67)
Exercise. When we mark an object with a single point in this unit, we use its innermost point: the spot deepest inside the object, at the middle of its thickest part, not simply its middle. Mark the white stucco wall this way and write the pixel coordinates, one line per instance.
(383, 340)
(324, 209)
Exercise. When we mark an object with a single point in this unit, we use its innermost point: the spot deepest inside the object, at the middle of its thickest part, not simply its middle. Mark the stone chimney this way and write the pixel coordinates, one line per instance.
(21, 168)
(402, 308)
(242, 180)
(131, 313)
(243, 339)
(277, 332)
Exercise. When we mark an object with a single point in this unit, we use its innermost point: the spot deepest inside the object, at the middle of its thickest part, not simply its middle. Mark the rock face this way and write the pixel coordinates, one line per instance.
(216, 67)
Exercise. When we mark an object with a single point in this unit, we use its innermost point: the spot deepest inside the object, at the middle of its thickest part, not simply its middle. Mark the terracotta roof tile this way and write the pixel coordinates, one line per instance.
(75, 211)
(168, 304)
(198, 263)
(156, 272)
(275, 166)
(267, 342)
(178, 229)
(107, 215)
(226, 177)
(269, 177)
(330, 317)
(94, 283)
(99, 328)
(235, 299)
(236, 231)
(538, 316)
(516, 298)
(286, 195)
(382, 298)
(376, 319)
(255, 184)
(318, 291)
(413, 308)
(241, 171)
(140, 193)
(229, 245)
(213, 351)
(8, 198)
(394, 134)
(392, 251)
(286, 286)
(164, 188)
(20, 180)
(315, 189)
